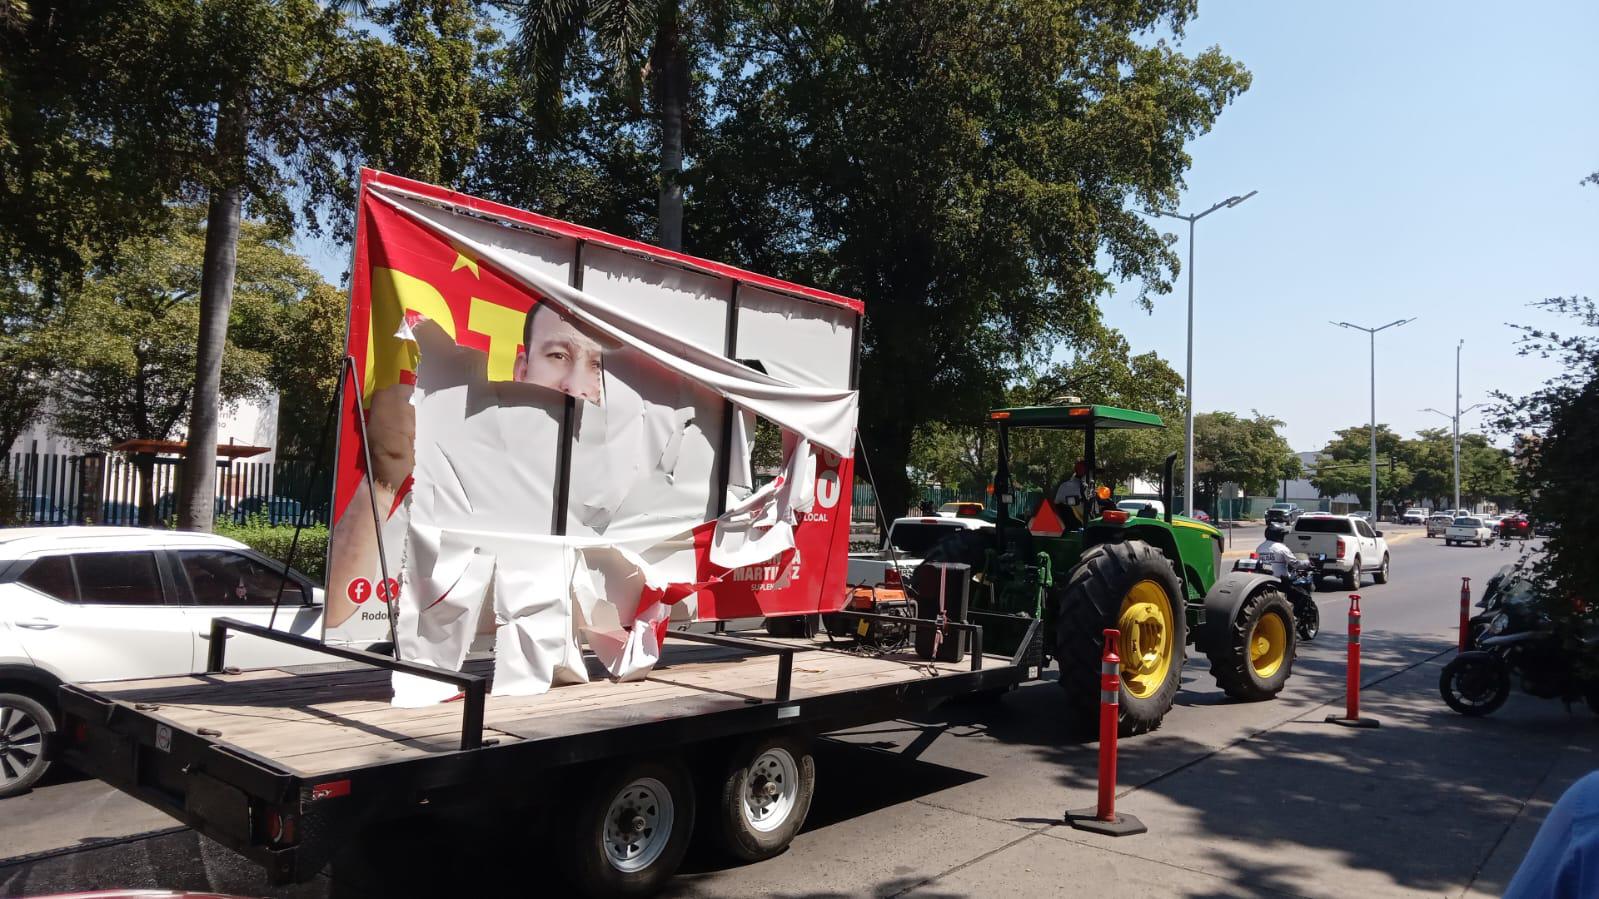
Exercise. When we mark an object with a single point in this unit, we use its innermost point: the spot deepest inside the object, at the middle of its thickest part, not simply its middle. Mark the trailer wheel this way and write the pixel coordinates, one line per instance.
(1258, 655)
(631, 830)
(764, 797)
(1130, 586)
(25, 731)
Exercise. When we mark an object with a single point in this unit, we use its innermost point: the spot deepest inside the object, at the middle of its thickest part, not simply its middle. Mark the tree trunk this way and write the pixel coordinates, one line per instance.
(196, 498)
(888, 448)
(144, 465)
(671, 97)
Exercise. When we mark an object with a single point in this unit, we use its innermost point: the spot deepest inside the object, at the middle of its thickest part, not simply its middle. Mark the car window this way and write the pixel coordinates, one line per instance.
(52, 576)
(1364, 528)
(222, 578)
(123, 579)
(1313, 525)
(914, 539)
(1468, 522)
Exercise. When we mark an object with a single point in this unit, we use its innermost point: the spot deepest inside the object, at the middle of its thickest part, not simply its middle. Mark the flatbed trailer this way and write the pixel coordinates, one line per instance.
(288, 765)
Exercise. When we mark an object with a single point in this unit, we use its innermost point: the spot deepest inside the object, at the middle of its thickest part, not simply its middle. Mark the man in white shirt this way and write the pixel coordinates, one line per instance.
(1275, 553)
(1072, 496)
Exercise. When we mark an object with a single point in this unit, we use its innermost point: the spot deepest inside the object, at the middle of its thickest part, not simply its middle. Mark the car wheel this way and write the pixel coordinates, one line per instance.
(1352, 577)
(1381, 577)
(26, 728)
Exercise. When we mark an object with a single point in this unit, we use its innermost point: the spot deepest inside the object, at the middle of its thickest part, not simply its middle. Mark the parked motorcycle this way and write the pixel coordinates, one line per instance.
(1517, 639)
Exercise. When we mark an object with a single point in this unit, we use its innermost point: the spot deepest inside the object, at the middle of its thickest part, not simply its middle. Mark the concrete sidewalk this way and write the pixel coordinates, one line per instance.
(1430, 804)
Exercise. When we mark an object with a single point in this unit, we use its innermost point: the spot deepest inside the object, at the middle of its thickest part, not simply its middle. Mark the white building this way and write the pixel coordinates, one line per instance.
(248, 422)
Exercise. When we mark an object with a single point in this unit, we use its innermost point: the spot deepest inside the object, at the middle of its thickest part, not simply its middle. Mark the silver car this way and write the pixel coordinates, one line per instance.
(1438, 523)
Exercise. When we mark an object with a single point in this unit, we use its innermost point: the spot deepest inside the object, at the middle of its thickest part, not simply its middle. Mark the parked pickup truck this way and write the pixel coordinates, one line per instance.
(908, 541)
(1341, 545)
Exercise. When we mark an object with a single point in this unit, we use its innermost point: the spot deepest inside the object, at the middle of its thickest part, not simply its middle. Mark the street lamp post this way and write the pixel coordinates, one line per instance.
(1455, 421)
(1372, 333)
(1188, 368)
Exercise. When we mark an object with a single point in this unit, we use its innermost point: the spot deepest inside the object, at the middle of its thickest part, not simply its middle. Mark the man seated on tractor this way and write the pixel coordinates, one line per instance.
(1072, 497)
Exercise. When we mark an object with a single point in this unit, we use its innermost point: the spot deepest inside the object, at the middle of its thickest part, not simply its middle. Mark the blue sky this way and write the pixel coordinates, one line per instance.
(1413, 159)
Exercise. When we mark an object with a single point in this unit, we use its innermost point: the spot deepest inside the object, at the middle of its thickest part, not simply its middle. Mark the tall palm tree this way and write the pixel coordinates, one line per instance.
(642, 41)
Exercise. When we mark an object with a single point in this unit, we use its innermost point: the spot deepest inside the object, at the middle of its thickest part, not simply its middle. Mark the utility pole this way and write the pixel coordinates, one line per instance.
(1188, 369)
(1372, 333)
(1454, 421)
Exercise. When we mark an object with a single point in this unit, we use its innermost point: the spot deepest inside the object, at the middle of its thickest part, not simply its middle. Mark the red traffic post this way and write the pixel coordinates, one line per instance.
(1102, 818)
(1465, 614)
(1351, 716)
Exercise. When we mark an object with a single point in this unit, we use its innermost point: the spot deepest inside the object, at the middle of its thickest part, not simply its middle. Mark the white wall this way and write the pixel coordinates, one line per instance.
(253, 423)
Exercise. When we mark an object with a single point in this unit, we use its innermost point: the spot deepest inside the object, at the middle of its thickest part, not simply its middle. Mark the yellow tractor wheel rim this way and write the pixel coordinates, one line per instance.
(1146, 647)
(1268, 644)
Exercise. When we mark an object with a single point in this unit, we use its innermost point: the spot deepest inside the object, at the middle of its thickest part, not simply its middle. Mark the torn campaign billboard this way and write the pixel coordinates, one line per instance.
(560, 423)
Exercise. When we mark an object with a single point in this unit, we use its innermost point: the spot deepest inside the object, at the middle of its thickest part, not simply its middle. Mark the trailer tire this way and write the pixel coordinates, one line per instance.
(1106, 589)
(26, 729)
(617, 844)
(764, 795)
(1257, 657)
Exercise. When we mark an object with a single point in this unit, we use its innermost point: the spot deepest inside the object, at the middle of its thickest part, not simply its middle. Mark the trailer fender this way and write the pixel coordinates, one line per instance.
(1222, 602)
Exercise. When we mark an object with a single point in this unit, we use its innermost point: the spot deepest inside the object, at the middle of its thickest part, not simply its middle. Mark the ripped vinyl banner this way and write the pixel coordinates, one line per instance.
(560, 425)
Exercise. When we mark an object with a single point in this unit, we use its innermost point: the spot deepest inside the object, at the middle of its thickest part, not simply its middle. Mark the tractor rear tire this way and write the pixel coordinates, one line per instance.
(1258, 657)
(1130, 586)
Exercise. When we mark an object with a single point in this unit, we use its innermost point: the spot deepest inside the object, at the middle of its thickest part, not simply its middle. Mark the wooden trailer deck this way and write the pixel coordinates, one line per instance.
(312, 720)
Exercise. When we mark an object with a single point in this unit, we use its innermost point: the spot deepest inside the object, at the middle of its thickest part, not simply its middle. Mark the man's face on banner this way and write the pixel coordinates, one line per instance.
(559, 356)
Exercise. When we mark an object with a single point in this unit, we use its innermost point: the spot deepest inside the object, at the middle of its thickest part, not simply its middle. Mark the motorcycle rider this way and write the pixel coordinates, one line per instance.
(1283, 564)
(1276, 554)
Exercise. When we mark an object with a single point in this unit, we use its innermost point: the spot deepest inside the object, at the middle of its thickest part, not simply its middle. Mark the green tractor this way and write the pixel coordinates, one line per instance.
(1152, 576)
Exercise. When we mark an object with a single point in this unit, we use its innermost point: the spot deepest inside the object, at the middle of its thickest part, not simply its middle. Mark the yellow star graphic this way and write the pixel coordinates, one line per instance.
(463, 261)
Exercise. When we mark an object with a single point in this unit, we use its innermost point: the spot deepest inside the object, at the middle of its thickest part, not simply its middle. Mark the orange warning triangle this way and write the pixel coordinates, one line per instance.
(1045, 522)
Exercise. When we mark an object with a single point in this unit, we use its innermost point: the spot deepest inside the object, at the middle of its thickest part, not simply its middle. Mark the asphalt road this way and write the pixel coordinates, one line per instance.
(967, 800)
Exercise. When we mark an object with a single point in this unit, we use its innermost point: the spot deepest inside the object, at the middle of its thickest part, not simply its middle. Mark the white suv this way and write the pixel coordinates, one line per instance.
(82, 604)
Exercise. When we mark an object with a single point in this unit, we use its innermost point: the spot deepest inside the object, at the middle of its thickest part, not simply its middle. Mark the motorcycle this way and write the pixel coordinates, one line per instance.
(1517, 639)
(1301, 595)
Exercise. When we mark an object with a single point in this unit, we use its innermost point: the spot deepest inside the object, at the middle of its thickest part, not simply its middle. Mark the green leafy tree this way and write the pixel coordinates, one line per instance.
(128, 340)
(963, 167)
(648, 51)
(1345, 465)
(963, 455)
(590, 164)
(263, 106)
(72, 184)
(1557, 431)
(1231, 449)
(1431, 461)
(1487, 473)
(29, 351)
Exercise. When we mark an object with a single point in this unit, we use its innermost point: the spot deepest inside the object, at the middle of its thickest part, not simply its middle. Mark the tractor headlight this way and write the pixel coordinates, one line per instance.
(1498, 625)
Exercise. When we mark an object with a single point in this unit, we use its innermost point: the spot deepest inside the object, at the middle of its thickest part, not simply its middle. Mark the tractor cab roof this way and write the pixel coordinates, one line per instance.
(1075, 416)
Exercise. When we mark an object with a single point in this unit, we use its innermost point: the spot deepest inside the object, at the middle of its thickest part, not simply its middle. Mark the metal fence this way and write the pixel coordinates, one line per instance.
(863, 505)
(55, 488)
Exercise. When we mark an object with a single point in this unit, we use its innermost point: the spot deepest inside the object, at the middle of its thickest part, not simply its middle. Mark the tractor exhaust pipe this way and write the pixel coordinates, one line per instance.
(1167, 488)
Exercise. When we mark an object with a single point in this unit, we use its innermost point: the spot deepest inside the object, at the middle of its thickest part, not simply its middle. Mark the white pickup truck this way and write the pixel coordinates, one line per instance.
(1341, 545)
(908, 541)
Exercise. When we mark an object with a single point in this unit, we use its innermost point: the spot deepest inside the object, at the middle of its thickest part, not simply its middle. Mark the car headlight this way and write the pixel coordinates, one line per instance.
(1500, 622)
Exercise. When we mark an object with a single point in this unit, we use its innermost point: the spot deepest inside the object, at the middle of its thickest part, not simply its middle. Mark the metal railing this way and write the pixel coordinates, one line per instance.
(474, 688)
